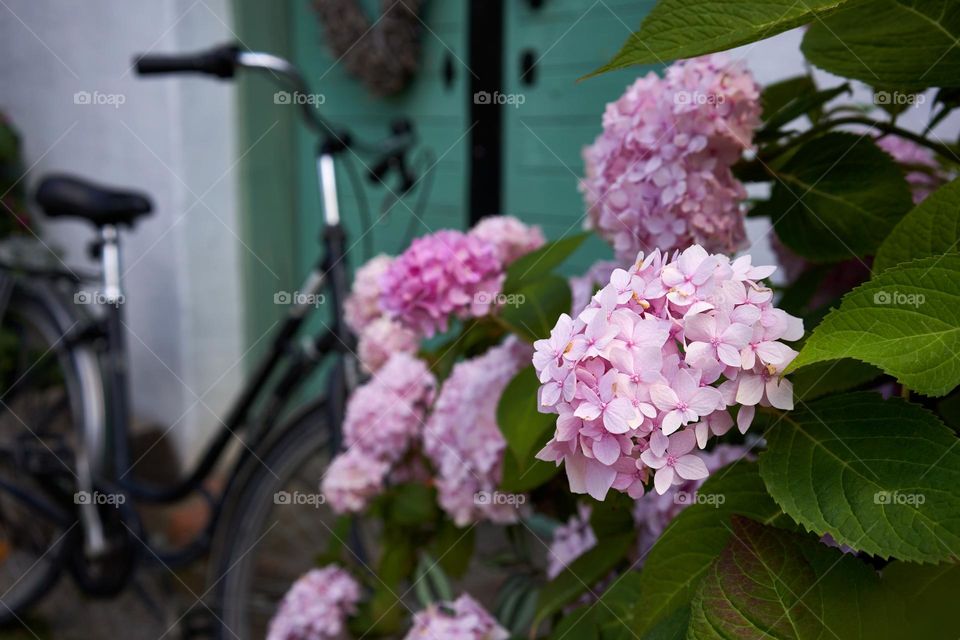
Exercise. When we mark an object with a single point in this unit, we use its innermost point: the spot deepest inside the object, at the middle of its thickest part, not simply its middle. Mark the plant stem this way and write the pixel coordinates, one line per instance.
(941, 149)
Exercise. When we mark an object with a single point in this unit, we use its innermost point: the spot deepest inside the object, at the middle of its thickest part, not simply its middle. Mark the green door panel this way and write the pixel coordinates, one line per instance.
(545, 136)
(436, 108)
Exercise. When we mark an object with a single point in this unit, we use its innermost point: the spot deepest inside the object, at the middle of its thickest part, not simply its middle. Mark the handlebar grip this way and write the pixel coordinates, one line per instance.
(220, 62)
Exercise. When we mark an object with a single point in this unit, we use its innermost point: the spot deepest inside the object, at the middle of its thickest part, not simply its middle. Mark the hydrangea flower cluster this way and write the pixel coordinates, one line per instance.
(658, 176)
(909, 153)
(511, 238)
(462, 619)
(316, 606)
(439, 275)
(362, 306)
(384, 418)
(462, 438)
(379, 337)
(643, 376)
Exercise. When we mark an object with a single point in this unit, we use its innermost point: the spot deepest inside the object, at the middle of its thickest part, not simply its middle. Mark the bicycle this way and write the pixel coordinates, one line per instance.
(61, 465)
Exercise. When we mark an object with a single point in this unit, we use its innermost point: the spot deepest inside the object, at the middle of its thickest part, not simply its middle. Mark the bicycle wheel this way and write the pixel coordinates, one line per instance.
(266, 543)
(41, 424)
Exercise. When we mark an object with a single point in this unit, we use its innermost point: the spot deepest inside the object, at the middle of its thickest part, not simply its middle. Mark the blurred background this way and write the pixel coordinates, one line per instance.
(490, 87)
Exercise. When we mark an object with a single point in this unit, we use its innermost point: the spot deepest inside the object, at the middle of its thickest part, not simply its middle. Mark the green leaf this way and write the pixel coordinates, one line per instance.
(929, 598)
(760, 586)
(410, 504)
(688, 28)
(694, 539)
(775, 584)
(775, 97)
(877, 475)
(582, 574)
(905, 320)
(806, 100)
(523, 427)
(532, 310)
(672, 627)
(837, 197)
(831, 377)
(581, 623)
(612, 516)
(931, 228)
(520, 478)
(454, 547)
(908, 44)
(431, 582)
(541, 262)
(618, 605)
(516, 602)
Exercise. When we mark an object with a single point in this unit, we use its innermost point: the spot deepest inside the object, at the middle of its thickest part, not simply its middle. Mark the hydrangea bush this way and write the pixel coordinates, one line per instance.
(678, 441)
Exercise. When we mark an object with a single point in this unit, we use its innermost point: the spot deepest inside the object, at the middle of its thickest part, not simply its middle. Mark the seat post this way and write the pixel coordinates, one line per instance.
(116, 351)
(110, 259)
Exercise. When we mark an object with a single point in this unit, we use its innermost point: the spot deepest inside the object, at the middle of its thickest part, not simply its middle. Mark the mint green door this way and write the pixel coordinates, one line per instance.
(436, 107)
(545, 135)
(541, 144)
(542, 138)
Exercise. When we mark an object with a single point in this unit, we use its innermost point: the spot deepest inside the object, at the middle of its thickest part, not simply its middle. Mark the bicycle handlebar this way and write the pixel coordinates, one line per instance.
(220, 62)
(224, 60)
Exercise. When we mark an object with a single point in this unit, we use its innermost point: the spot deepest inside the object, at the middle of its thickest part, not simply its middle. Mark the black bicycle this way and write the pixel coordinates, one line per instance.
(66, 495)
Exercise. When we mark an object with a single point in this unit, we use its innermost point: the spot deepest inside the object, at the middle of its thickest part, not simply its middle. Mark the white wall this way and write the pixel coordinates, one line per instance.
(174, 139)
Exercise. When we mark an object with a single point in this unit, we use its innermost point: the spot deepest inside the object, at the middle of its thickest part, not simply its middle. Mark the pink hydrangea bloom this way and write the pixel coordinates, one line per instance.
(654, 365)
(511, 238)
(659, 176)
(316, 606)
(382, 338)
(570, 541)
(909, 153)
(384, 419)
(352, 480)
(462, 619)
(362, 306)
(439, 275)
(385, 415)
(462, 438)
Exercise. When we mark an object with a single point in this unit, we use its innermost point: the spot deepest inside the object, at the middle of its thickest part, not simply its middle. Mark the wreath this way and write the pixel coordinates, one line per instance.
(383, 54)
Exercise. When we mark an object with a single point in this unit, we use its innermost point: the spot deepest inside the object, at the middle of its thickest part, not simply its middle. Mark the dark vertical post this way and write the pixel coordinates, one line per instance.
(486, 114)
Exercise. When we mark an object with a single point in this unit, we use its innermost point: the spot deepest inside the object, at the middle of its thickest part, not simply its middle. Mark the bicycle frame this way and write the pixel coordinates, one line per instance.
(268, 391)
(329, 273)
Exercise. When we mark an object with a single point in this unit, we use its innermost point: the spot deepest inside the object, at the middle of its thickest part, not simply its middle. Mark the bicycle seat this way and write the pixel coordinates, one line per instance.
(62, 196)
